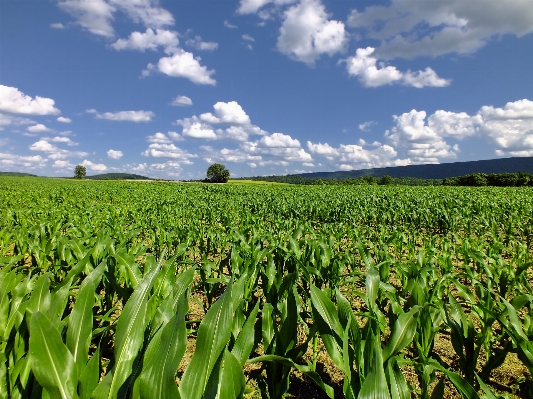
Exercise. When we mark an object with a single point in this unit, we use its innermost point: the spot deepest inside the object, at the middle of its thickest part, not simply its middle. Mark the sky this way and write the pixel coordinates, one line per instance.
(165, 88)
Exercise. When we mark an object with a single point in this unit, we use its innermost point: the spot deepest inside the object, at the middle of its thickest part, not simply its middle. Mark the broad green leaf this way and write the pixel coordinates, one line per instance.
(51, 362)
(403, 333)
(128, 340)
(89, 376)
(245, 341)
(80, 324)
(157, 379)
(213, 336)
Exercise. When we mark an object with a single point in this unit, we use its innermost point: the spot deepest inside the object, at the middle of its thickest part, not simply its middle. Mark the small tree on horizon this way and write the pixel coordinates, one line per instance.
(217, 173)
(79, 172)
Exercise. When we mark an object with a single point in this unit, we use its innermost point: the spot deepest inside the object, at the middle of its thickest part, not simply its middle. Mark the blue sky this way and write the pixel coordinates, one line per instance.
(165, 88)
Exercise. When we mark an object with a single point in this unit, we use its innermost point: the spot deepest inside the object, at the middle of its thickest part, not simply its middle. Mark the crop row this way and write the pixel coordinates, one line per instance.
(144, 290)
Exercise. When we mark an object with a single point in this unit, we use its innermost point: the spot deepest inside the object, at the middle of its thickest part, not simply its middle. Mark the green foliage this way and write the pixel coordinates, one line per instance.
(80, 172)
(519, 179)
(217, 173)
(132, 290)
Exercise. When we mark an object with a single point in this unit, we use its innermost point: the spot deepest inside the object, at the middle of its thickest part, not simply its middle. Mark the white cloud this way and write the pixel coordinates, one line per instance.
(199, 44)
(54, 152)
(184, 65)
(194, 128)
(159, 138)
(62, 164)
(365, 127)
(93, 15)
(96, 167)
(161, 150)
(352, 156)
(146, 12)
(175, 136)
(281, 147)
(410, 28)
(130, 116)
(228, 155)
(114, 154)
(14, 101)
(229, 25)
(182, 101)
(149, 40)
(510, 127)
(39, 128)
(64, 120)
(248, 37)
(58, 139)
(253, 6)
(57, 25)
(11, 161)
(226, 113)
(421, 143)
(363, 65)
(306, 32)
(96, 15)
(15, 120)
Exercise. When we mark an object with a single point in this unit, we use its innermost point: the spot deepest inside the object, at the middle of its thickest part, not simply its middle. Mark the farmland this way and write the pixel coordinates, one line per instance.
(158, 290)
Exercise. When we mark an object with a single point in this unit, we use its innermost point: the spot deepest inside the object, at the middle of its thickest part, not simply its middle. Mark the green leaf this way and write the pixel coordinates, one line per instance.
(399, 389)
(402, 334)
(80, 324)
(128, 340)
(375, 384)
(232, 381)
(213, 336)
(51, 362)
(89, 376)
(157, 379)
(245, 341)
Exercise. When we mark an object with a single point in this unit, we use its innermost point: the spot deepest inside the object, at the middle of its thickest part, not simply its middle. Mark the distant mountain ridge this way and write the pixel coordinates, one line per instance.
(434, 171)
(118, 176)
(18, 174)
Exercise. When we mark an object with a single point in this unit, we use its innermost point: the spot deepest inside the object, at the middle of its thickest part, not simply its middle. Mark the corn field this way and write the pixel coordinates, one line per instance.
(163, 290)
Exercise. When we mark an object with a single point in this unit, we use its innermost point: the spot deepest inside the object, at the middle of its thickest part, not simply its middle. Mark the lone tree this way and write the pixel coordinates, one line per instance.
(217, 173)
(80, 172)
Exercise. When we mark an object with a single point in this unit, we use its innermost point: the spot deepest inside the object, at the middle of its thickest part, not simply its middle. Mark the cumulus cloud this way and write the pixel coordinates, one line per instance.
(229, 25)
(114, 154)
(64, 120)
(11, 161)
(306, 32)
(95, 167)
(226, 113)
(130, 116)
(184, 65)
(353, 156)
(196, 129)
(162, 150)
(230, 114)
(253, 6)
(182, 101)
(279, 146)
(39, 128)
(14, 101)
(510, 127)
(248, 37)
(93, 15)
(59, 139)
(149, 40)
(57, 25)
(13, 120)
(365, 127)
(410, 28)
(421, 143)
(97, 15)
(199, 44)
(228, 155)
(363, 65)
(53, 151)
